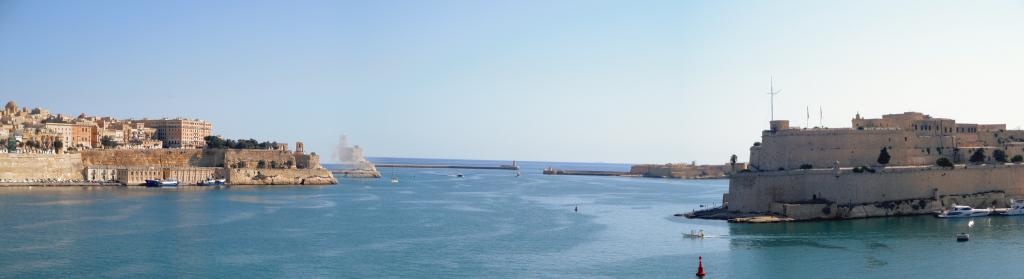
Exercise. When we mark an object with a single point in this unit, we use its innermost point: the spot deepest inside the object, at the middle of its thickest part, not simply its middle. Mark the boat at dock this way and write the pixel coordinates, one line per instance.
(963, 211)
(213, 182)
(1016, 208)
(162, 183)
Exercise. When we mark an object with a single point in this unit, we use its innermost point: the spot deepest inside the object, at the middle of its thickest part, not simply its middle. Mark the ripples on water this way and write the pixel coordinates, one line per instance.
(488, 224)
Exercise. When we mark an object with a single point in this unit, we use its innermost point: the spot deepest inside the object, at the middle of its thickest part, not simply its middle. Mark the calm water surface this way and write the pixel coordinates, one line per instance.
(487, 224)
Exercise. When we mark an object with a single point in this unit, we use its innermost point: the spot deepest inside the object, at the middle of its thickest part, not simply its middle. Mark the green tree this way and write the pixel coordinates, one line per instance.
(1017, 159)
(108, 142)
(261, 164)
(732, 161)
(214, 142)
(883, 156)
(999, 155)
(944, 162)
(978, 157)
(58, 146)
(12, 144)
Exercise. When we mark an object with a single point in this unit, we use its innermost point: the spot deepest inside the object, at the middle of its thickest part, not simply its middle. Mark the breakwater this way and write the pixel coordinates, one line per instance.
(551, 171)
(419, 166)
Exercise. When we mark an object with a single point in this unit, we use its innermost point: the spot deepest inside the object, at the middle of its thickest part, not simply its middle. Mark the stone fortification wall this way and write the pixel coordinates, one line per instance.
(280, 177)
(758, 191)
(789, 149)
(251, 158)
(154, 157)
(21, 167)
(684, 170)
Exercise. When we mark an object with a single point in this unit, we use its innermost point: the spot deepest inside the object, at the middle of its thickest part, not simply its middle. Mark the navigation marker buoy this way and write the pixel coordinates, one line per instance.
(700, 267)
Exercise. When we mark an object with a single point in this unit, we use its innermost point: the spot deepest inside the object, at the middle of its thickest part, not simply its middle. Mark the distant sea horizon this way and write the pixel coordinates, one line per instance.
(525, 165)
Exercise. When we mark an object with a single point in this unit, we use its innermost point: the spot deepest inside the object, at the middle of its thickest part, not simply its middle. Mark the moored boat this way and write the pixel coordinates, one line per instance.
(961, 237)
(963, 211)
(1016, 208)
(169, 183)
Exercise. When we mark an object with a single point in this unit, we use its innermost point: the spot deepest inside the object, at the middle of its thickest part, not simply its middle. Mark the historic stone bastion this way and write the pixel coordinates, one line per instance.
(190, 166)
(822, 173)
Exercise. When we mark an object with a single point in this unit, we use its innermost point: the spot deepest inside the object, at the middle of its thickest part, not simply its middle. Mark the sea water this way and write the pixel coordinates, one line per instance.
(487, 224)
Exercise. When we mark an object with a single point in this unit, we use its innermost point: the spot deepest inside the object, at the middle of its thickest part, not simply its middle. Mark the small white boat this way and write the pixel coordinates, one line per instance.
(694, 234)
(394, 180)
(963, 211)
(1016, 208)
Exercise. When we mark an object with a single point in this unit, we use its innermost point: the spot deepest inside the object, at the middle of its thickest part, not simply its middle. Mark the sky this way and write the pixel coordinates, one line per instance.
(584, 81)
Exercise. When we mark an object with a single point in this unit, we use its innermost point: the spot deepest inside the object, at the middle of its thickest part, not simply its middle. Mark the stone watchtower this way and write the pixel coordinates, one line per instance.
(299, 148)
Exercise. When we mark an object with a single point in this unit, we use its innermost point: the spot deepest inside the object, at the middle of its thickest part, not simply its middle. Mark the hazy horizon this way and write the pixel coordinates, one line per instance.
(572, 81)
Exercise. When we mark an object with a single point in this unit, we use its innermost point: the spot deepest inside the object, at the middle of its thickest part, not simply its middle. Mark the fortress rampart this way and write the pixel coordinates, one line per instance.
(40, 166)
(809, 173)
(757, 192)
(189, 166)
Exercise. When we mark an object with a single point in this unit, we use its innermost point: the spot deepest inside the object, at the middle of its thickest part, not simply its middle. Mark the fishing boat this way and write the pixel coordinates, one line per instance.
(212, 182)
(162, 183)
(694, 234)
(963, 211)
(1016, 208)
(169, 183)
(459, 175)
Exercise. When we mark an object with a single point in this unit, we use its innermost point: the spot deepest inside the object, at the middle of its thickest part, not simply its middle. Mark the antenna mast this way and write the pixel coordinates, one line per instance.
(772, 93)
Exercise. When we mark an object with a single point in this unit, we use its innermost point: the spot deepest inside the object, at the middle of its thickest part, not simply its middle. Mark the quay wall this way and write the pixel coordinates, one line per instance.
(771, 191)
(41, 166)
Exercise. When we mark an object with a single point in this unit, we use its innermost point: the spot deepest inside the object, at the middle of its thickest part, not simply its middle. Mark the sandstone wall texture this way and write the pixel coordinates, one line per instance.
(41, 166)
(906, 187)
(788, 149)
(154, 157)
(280, 177)
(684, 170)
(812, 211)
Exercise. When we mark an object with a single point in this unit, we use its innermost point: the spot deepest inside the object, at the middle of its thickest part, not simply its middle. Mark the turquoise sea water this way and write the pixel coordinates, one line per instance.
(489, 224)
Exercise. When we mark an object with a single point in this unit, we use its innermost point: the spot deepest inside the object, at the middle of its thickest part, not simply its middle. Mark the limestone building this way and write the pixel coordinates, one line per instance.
(910, 138)
(179, 132)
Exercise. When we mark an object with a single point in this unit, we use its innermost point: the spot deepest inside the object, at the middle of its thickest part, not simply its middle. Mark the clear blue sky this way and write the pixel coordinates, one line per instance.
(611, 81)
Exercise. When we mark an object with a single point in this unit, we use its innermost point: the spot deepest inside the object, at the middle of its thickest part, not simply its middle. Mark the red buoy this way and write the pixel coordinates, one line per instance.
(700, 267)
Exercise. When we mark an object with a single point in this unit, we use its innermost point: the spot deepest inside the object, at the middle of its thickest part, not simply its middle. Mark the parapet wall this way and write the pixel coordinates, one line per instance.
(756, 192)
(41, 166)
(154, 157)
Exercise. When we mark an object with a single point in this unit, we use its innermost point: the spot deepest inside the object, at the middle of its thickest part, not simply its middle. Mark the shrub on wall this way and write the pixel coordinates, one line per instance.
(944, 162)
(978, 157)
(999, 155)
(883, 156)
(1017, 159)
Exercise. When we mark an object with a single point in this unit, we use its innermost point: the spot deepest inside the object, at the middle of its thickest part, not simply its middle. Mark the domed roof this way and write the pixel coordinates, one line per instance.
(11, 106)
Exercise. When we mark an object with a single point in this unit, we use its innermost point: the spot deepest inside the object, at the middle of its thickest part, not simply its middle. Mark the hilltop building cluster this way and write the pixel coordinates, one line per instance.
(37, 130)
(41, 148)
